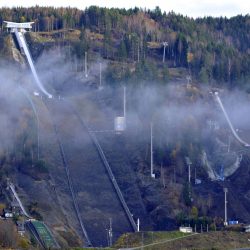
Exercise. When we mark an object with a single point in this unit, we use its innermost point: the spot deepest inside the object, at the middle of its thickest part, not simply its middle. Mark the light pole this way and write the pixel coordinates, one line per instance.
(124, 102)
(189, 79)
(100, 85)
(38, 138)
(110, 232)
(225, 191)
(151, 152)
(189, 168)
(86, 68)
(165, 44)
(229, 143)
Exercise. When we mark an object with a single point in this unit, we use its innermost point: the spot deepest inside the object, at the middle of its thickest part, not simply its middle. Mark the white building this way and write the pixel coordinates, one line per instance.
(18, 26)
(186, 229)
(247, 229)
(120, 124)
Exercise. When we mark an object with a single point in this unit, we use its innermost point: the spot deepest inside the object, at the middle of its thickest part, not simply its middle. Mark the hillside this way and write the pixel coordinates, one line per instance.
(87, 182)
(212, 50)
(176, 240)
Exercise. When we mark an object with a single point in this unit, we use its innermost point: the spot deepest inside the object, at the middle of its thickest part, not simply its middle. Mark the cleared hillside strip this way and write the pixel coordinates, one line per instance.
(95, 194)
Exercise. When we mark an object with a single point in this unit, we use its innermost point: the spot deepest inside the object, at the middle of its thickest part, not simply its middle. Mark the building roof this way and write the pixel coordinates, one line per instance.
(19, 25)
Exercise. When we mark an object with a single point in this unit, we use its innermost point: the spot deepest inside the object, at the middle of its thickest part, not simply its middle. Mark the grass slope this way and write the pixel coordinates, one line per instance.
(222, 240)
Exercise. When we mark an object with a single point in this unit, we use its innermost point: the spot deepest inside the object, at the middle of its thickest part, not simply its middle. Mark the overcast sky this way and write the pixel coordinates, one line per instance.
(194, 8)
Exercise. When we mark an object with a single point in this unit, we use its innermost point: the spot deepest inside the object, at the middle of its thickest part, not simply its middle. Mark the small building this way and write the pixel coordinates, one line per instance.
(233, 222)
(186, 229)
(120, 124)
(8, 213)
(247, 228)
(197, 181)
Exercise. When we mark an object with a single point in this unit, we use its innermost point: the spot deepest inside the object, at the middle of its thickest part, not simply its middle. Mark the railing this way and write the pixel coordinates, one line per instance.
(65, 164)
(110, 173)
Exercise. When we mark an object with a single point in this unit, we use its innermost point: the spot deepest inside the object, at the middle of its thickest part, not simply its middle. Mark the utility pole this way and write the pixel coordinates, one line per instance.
(124, 102)
(110, 233)
(163, 177)
(189, 168)
(165, 44)
(86, 68)
(195, 175)
(174, 175)
(100, 83)
(189, 174)
(38, 138)
(151, 151)
(124, 107)
(138, 225)
(38, 128)
(225, 191)
(138, 51)
(189, 79)
(229, 144)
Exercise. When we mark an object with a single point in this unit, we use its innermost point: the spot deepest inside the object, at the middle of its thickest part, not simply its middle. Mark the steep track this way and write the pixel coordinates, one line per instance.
(119, 158)
(94, 192)
(120, 151)
(65, 164)
(56, 190)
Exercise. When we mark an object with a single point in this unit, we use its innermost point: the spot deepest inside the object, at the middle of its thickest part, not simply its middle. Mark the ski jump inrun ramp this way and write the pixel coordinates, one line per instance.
(19, 29)
(218, 100)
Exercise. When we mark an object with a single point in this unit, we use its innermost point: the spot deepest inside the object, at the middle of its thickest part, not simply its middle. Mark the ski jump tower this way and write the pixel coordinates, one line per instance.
(18, 26)
(19, 29)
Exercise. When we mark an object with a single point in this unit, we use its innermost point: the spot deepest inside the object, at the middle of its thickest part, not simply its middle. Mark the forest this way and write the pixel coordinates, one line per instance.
(213, 51)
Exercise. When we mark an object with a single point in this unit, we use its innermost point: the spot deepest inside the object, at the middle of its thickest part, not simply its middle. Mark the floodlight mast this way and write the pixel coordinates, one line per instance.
(165, 44)
(100, 75)
(138, 225)
(189, 79)
(124, 102)
(85, 64)
(151, 152)
(110, 232)
(189, 168)
(225, 221)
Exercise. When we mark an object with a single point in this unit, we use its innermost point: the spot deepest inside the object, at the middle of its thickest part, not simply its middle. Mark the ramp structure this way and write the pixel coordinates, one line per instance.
(217, 98)
(12, 187)
(19, 29)
(42, 234)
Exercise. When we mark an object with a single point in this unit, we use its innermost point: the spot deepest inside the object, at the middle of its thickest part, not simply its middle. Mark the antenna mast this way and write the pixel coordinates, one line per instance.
(100, 75)
(151, 151)
(86, 69)
(110, 232)
(225, 191)
(165, 44)
(124, 102)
